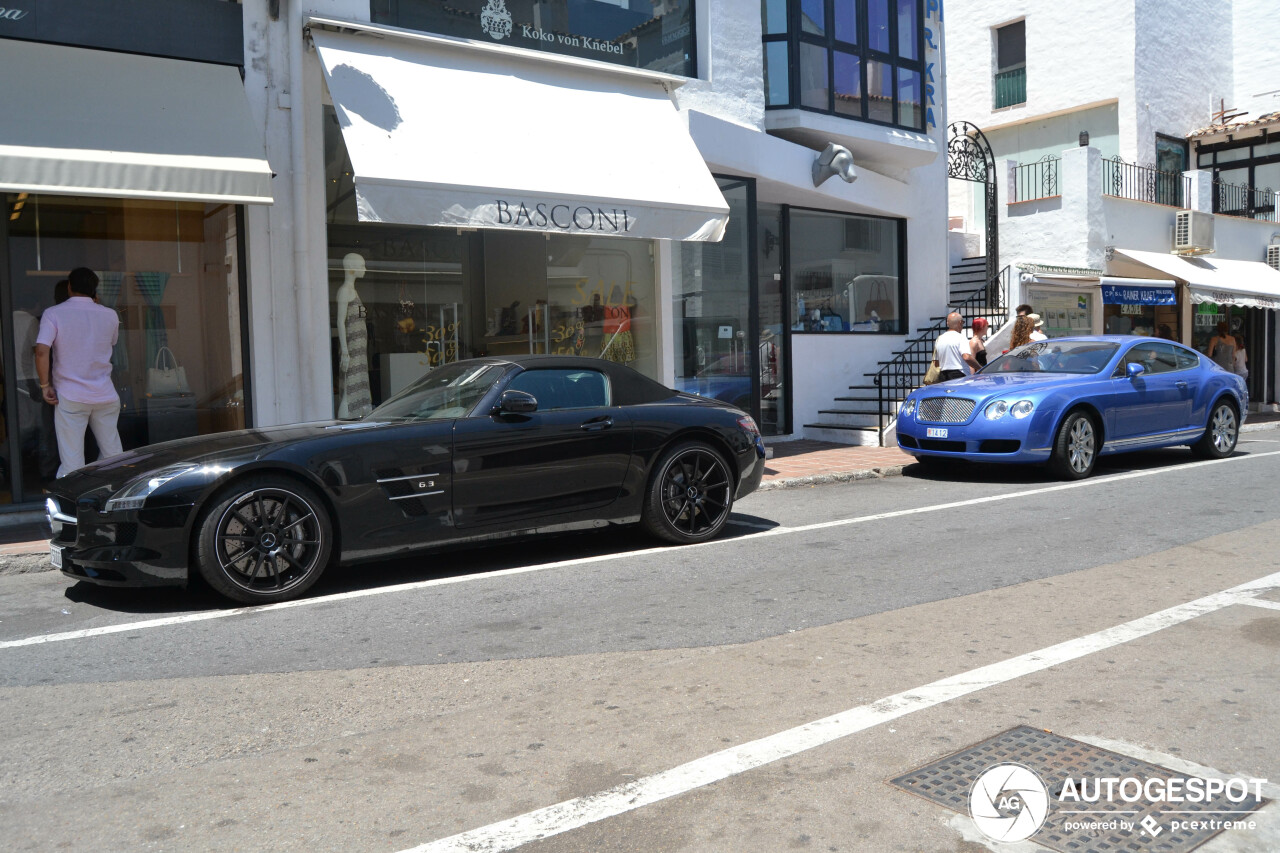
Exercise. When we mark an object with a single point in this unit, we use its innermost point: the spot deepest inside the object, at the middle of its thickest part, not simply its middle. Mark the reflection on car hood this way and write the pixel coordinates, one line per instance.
(240, 444)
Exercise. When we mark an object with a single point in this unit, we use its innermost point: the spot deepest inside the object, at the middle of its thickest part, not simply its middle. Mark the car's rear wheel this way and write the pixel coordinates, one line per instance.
(1076, 448)
(1221, 433)
(689, 496)
(265, 538)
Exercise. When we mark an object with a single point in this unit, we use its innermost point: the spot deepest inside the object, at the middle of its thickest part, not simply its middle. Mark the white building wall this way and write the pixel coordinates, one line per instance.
(1078, 54)
(1183, 60)
(1256, 61)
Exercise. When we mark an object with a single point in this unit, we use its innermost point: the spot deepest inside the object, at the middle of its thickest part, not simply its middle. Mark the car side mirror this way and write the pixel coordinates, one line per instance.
(514, 402)
(1134, 370)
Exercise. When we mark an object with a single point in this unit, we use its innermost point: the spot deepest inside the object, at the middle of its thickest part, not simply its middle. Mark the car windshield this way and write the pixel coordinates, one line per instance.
(451, 391)
(1055, 357)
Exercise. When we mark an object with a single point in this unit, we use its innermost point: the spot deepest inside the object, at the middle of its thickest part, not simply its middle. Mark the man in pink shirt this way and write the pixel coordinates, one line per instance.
(78, 384)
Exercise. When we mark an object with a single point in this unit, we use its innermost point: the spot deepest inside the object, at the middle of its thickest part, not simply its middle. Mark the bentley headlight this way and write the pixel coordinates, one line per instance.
(908, 408)
(135, 494)
(997, 410)
(1022, 408)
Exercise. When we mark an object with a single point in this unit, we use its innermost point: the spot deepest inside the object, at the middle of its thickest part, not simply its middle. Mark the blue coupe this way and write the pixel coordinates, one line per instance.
(1067, 401)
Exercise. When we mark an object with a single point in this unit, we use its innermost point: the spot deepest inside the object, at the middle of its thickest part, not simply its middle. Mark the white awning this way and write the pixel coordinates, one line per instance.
(1252, 284)
(446, 134)
(94, 122)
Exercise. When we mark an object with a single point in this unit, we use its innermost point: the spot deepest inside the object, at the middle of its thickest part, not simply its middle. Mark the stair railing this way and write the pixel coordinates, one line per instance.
(898, 378)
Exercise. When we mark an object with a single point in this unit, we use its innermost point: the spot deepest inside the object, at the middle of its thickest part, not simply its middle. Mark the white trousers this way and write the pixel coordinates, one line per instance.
(69, 421)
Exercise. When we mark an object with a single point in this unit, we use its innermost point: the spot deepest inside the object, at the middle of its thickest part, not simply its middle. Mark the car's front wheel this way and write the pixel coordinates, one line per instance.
(1076, 448)
(689, 496)
(1221, 433)
(266, 538)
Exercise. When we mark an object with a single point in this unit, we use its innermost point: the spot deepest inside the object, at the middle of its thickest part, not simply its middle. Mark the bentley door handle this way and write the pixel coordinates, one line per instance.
(1181, 383)
(597, 424)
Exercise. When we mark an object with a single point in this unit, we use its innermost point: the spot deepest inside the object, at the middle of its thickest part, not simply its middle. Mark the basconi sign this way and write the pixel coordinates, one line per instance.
(541, 216)
(12, 13)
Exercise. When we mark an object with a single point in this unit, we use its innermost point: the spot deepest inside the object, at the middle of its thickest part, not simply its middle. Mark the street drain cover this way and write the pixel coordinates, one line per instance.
(1092, 822)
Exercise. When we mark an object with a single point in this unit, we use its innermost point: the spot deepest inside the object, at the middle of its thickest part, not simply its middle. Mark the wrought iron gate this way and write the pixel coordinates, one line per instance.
(969, 158)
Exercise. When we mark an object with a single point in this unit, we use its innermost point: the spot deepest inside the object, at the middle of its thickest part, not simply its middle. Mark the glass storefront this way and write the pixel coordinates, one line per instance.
(171, 270)
(637, 33)
(405, 299)
(846, 273)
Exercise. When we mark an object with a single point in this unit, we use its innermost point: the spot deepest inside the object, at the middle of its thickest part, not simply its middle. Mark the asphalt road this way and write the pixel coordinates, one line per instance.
(405, 702)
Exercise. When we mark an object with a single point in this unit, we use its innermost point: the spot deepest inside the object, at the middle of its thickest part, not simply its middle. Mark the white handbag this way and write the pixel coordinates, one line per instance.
(166, 378)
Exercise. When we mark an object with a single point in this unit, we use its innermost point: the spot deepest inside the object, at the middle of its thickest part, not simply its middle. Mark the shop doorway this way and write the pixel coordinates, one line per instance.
(729, 325)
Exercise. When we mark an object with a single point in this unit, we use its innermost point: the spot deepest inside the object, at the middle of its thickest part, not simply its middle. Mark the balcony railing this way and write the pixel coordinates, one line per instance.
(1011, 87)
(1244, 200)
(1036, 180)
(1142, 183)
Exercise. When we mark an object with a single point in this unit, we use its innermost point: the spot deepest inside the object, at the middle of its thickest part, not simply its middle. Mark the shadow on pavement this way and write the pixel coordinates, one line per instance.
(960, 471)
(440, 563)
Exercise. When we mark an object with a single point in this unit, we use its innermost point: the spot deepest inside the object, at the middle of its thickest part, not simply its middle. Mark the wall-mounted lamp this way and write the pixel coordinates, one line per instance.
(1084, 139)
(834, 160)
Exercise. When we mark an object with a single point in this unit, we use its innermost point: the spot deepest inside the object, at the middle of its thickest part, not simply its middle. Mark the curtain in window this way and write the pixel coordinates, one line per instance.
(109, 294)
(151, 285)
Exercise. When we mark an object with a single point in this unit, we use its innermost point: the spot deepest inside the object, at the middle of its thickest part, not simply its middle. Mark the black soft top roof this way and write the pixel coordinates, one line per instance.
(630, 388)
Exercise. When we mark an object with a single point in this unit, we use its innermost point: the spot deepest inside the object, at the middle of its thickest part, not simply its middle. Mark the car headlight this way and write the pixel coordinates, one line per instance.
(1000, 408)
(135, 494)
(908, 408)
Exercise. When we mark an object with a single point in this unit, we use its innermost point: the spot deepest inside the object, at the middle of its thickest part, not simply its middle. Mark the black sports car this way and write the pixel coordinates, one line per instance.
(472, 451)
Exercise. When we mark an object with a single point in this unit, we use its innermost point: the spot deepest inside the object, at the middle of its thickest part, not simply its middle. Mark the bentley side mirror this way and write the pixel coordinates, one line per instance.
(1134, 370)
(514, 402)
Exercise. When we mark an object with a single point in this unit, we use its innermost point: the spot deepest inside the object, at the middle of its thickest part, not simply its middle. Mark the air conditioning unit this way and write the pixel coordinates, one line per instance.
(1273, 256)
(1192, 232)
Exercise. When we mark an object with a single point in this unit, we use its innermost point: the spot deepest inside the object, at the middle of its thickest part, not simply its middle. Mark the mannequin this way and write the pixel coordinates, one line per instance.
(353, 343)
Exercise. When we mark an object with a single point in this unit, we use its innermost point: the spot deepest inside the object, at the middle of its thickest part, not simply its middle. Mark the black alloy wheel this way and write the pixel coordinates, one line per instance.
(690, 495)
(268, 539)
(1076, 448)
(1221, 433)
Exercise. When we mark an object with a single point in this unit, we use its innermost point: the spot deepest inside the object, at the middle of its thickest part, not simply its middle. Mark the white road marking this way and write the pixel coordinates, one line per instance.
(1262, 602)
(600, 558)
(578, 812)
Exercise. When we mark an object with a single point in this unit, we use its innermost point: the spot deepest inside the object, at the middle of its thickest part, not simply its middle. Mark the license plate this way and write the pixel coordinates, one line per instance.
(936, 432)
(55, 554)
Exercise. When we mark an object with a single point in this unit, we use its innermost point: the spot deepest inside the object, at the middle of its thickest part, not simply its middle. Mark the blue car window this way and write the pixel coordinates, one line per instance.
(1154, 357)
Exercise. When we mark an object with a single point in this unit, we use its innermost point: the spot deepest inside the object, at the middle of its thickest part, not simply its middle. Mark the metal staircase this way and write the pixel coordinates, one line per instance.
(863, 415)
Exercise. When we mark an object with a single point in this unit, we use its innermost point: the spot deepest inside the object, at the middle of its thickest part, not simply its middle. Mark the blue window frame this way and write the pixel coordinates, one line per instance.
(860, 59)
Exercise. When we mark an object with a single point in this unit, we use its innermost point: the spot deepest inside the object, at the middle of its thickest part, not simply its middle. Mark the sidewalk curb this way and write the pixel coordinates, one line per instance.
(838, 477)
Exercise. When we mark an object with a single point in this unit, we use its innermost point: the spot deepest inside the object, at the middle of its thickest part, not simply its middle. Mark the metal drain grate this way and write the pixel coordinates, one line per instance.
(1147, 826)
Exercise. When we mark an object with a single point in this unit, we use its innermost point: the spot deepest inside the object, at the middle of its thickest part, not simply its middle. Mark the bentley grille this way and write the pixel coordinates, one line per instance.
(945, 410)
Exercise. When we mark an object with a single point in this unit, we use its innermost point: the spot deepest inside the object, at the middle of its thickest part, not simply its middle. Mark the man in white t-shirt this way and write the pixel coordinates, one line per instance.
(1037, 332)
(77, 337)
(951, 351)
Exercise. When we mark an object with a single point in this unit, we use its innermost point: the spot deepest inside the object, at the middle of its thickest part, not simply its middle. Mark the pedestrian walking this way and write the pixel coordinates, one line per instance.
(1022, 328)
(1240, 361)
(1037, 325)
(978, 343)
(73, 365)
(951, 351)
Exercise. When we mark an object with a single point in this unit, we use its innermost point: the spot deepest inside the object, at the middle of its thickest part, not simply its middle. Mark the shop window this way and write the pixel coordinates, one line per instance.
(853, 58)
(171, 270)
(1010, 83)
(658, 36)
(420, 297)
(846, 273)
